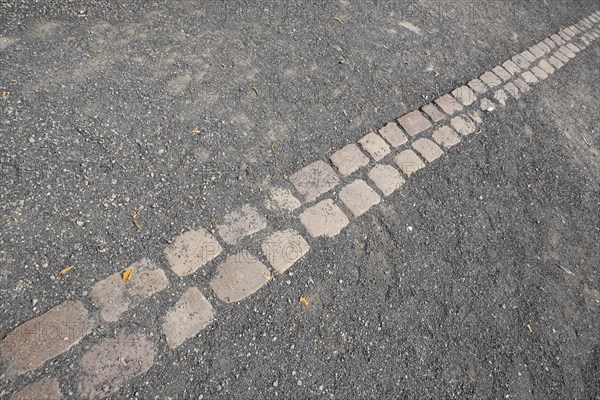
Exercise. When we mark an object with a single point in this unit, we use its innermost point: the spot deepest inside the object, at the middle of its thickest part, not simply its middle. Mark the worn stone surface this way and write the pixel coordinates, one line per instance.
(239, 224)
(386, 178)
(359, 197)
(539, 73)
(490, 79)
(238, 277)
(501, 73)
(349, 159)
(521, 61)
(528, 56)
(192, 250)
(44, 337)
(465, 95)
(566, 51)
(550, 43)
(433, 112)
(427, 149)
(487, 105)
(501, 97)
(191, 314)
(446, 136)
(324, 219)
(523, 87)
(109, 365)
(448, 104)
(284, 248)
(477, 86)
(512, 89)
(414, 122)
(45, 389)
(556, 63)
(114, 295)
(536, 51)
(463, 125)
(511, 67)
(529, 77)
(561, 56)
(393, 134)
(545, 65)
(573, 47)
(409, 162)
(281, 199)
(314, 180)
(375, 145)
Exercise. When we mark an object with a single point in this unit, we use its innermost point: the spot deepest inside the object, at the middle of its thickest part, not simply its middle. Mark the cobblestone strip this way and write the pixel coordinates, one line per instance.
(391, 156)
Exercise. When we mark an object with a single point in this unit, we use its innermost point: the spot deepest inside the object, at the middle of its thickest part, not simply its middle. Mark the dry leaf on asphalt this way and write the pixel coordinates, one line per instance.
(304, 301)
(127, 274)
(65, 270)
(337, 19)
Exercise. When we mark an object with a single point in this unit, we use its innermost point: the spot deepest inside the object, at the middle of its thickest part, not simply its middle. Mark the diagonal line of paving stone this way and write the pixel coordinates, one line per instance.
(392, 155)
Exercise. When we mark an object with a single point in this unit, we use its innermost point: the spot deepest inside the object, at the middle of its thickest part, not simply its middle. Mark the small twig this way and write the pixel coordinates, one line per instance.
(586, 142)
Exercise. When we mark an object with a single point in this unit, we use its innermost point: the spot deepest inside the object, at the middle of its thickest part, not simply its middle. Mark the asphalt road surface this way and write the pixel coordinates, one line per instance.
(478, 279)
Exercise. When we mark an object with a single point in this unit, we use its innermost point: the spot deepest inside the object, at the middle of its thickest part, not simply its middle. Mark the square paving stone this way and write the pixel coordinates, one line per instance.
(550, 43)
(238, 277)
(501, 73)
(192, 250)
(359, 197)
(386, 178)
(44, 337)
(561, 56)
(477, 86)
(349, 159)
(448, 104)
(539, 73)
(521, 61)
(490, 79)
(241, 223)
(433, 112)
(528, 56)
(523, 87)
(512, 89)
(427, 149)
(529, 77)
(511, 67)
(537, 51)
(114, 295)
(446, 136)
(501, 97)
(545, 65)
(324, 219)
(314, 180)
(542, 45)
(409, 162)
(463, 125)
(557, 39)
(414, 123)
(191, 314)
(465, 95)
(556, 63)
(284, 248)
(393, 134)
(375, 145)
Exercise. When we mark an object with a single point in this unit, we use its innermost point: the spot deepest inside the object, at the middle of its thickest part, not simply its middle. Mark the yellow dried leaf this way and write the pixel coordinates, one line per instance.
(65, 270)
(213, 220)
(304, 301)
(273, 146)
(195, 131)
(529, 328)
(268, 277)
(4, 93)
(127, 274)
(337, 19)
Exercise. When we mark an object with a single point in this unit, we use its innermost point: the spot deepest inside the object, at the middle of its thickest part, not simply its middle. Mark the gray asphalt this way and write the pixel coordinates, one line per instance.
(103, 98)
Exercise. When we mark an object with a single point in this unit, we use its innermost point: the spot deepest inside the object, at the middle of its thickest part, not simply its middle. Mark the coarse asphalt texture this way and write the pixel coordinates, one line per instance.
(454, 288)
